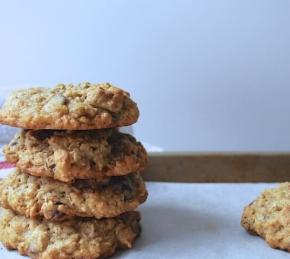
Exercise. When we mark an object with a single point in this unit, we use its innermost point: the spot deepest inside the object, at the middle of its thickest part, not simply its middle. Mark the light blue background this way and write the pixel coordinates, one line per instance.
(207, 75)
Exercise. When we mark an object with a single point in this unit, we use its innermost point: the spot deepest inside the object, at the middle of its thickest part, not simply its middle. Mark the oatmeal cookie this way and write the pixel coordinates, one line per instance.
(41, 197)
(73, 107)
(268, 217)
(70, 155)
(76, 238)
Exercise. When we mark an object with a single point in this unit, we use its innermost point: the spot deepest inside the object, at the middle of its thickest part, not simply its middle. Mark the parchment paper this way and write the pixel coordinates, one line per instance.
(195, 221)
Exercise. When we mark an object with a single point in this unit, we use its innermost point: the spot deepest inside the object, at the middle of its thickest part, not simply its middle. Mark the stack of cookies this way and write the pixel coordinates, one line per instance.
(76, 183)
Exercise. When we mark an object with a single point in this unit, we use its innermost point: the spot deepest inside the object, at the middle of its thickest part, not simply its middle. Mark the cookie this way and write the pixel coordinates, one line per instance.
(269, 217)
(70, 155)
(73, 107)
(76, 238)
(41, 197)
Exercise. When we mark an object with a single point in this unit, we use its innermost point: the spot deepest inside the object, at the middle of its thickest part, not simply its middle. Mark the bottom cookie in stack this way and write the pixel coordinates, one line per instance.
(75, 238)
(269, 216)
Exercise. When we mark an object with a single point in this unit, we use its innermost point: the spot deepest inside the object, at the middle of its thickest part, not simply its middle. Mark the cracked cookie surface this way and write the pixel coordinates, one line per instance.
(73, 107)
(70, 155)
(268, 216)
(41, 197)
(77, 238)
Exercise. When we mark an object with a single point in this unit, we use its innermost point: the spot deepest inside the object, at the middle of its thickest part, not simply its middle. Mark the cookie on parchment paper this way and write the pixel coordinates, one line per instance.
(269, 216)
(72, 107)
(70, 155)
(76, 238)
(42, 197)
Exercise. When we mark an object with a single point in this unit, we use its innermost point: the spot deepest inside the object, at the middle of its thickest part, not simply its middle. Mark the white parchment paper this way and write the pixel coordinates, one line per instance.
(195, 221)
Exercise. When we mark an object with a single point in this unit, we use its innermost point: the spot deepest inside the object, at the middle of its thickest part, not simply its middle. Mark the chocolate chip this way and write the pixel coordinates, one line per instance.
(125, 185)
(52, 167)
(115, 141)
(82, 184)
(57, 215)
(14, 143)
(42, 134)
(127, 190)
(128, 195)
(92, 164)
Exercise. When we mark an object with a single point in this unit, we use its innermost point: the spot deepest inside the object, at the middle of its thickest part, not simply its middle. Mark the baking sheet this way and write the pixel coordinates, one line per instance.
(195, 221)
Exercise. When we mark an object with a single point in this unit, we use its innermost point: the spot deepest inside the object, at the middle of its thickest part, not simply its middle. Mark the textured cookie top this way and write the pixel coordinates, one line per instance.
(269, 216)
(70, 155)
(41, 197)
(77, 239)
(73, 107)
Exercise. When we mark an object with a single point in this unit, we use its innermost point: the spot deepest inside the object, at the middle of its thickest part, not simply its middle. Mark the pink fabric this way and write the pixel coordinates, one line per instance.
(5, 165)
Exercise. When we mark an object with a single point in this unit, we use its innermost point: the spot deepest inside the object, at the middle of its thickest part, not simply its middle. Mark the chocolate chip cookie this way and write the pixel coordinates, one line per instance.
(70, 155)
(76, 238)
(42, 197)
(268, 217)
(73, 107)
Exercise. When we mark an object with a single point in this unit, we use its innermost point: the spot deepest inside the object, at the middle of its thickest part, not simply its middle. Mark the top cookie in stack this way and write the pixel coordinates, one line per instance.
(70, 107)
